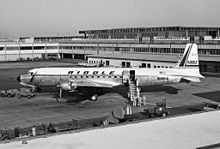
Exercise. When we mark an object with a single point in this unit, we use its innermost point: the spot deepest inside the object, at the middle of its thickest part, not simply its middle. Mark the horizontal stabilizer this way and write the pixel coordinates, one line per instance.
(190, 79)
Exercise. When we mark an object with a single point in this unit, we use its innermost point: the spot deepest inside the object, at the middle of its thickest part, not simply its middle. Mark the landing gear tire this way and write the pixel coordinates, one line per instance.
(94, 97)
(164, 114)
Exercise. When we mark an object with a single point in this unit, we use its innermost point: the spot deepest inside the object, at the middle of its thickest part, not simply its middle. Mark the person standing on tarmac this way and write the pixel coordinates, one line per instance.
(33, 129)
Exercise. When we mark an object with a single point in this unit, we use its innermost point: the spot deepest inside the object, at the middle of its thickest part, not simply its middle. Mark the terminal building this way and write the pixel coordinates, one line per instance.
(172, 32)
(150, 47)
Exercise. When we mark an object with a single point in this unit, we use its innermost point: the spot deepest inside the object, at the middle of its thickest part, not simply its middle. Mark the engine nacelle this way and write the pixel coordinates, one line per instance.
(174, 79)
(66, 86)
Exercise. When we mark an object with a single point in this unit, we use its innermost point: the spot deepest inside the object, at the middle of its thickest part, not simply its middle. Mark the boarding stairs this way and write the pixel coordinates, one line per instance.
(129, 79)
(132, 90)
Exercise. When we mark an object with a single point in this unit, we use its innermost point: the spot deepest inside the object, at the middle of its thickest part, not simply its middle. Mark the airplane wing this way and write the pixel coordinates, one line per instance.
(90, 83)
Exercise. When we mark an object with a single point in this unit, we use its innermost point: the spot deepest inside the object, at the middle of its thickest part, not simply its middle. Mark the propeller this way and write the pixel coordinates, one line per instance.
(32, 78)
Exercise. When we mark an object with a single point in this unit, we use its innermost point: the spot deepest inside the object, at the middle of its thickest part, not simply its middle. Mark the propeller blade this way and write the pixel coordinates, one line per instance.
(32, 78)
(60, 92)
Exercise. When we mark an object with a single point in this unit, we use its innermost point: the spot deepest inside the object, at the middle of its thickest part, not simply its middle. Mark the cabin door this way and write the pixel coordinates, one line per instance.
(128, 75)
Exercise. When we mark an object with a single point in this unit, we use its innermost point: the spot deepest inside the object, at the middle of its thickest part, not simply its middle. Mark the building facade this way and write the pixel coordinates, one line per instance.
(163, 41)
(195, 33)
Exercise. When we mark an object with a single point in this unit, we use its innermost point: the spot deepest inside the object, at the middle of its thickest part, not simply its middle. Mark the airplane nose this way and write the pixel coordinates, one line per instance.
(19, 78)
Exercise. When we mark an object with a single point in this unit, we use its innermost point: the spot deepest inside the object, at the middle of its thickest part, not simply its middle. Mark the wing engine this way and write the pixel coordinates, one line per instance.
(66, 85)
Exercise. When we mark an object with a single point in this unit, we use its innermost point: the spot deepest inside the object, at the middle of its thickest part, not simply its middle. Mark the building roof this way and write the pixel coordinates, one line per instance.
(144, 29)
(140, 57)
(172, 58)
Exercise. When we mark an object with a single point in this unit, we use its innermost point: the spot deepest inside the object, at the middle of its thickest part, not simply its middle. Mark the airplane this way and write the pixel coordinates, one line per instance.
(98, 78)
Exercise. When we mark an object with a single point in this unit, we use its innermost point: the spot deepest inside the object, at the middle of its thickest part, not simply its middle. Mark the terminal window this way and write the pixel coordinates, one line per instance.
(107, 63)
(143, 65)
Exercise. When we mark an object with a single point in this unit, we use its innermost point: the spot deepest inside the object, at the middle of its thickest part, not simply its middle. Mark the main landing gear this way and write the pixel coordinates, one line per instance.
(90, 93)
(96, 92)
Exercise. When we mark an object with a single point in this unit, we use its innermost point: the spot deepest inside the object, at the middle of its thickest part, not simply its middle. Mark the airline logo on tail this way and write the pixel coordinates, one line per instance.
(190, 56)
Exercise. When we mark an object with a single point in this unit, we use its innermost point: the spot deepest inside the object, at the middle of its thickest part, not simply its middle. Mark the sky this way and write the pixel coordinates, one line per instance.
(20, 18)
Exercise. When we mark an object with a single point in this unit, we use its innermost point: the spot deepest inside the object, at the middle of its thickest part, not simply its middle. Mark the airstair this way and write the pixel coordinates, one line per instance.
(129, 79)
(132, 90)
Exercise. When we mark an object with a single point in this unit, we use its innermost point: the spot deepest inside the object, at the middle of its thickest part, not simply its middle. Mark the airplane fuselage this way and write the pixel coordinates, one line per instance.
(109, 76)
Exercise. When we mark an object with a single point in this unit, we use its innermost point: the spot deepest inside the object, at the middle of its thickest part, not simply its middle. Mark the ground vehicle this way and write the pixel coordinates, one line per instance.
(26, 92)
(211, 107)
(158, 110)
(8, 93)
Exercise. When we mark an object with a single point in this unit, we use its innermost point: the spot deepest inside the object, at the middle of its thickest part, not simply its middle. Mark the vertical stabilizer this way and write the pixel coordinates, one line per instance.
(190, 57)
(189, 64)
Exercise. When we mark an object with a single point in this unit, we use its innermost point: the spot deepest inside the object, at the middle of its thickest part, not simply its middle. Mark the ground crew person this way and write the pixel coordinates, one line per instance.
(144, 100)
(134, 101)
(139, 100)
(33, 129)
(138, 92)
(128, 110)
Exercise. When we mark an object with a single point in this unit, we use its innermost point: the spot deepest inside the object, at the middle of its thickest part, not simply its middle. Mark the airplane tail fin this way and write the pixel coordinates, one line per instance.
(190, 57)
(190, 61)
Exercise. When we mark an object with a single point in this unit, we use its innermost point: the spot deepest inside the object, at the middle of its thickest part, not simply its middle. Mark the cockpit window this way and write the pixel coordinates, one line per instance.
(29, 73)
